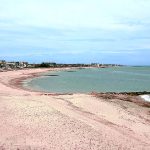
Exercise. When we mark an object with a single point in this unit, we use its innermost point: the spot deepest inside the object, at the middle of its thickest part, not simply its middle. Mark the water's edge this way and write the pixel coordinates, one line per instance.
(143, 94)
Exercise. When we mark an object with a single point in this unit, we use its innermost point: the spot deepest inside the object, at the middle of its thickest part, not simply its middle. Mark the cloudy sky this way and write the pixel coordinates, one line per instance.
(76, 31)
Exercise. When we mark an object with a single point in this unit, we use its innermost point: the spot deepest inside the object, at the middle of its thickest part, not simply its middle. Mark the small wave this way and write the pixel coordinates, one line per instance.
(146, 97)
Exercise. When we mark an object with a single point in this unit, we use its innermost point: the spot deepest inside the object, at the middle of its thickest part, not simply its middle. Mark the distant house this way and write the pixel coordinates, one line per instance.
(2, 63)
(21, 64)
(12, 65)
(95, 64)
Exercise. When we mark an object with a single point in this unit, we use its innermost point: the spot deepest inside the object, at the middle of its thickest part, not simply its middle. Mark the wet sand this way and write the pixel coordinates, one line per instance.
(37, 120)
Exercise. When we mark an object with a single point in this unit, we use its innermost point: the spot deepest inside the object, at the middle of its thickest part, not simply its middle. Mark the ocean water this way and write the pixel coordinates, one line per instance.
(115, 79)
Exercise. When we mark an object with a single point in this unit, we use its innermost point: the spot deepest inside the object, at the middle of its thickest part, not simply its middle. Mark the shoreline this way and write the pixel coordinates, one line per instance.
(142, 97)
(40, 120)
(18, 82)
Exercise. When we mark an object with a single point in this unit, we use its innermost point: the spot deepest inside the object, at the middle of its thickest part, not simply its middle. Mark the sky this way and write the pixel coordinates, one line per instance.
(75, 31)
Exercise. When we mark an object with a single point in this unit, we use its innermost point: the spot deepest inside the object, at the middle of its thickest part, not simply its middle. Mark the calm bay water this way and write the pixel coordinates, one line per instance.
(117, 79)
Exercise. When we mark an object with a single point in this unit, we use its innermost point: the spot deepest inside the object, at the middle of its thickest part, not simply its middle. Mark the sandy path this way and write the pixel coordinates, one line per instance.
(31, 120)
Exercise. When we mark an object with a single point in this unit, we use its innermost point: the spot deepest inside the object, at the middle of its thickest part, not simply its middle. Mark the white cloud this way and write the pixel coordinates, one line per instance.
(74, 26)
(64, 13)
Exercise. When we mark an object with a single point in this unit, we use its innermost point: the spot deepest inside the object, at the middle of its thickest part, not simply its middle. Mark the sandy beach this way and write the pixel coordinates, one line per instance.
(31, 120)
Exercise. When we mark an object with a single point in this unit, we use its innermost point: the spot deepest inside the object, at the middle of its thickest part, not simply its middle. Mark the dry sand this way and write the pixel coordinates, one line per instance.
(33, 120)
